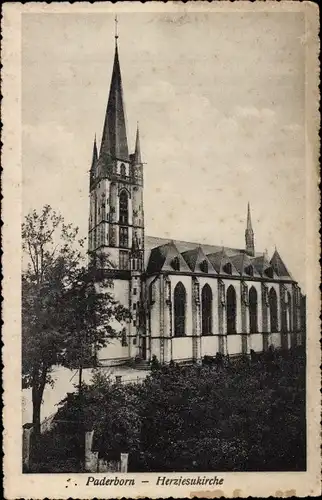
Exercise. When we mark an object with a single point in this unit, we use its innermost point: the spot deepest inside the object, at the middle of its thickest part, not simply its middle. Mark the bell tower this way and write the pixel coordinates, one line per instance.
(116, 189)
(116, 222)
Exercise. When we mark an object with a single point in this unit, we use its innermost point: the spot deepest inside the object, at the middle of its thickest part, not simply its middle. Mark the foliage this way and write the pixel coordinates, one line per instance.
(242, 416)
(63, 311)
(111, 409)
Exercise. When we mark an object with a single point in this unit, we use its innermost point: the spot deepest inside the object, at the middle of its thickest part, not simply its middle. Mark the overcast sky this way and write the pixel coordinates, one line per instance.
(220, 102)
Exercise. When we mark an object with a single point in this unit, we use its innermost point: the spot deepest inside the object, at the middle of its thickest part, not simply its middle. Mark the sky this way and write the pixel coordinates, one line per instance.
(219, 98)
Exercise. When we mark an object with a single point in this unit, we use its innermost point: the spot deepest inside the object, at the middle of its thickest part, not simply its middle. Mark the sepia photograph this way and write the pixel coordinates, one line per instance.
(164, 221)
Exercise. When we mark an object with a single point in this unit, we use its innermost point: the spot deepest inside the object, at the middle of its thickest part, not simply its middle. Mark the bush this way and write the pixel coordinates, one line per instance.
(238, 416)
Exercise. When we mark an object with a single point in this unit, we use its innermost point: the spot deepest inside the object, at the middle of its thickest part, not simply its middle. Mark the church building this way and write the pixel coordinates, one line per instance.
(187, 300)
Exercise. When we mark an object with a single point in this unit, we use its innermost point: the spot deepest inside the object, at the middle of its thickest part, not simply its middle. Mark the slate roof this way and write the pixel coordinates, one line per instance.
(160, 255)
(114, 137)
(198, 261)
(279, 266)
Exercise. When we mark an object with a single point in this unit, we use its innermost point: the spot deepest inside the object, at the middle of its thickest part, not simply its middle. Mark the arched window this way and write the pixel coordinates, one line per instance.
(123, 170)
(253, 327)
(176, 264)
(289, 310)
(250, 270)
(231, 309)
(124, 207)
(228, 268)
(286, 314)
(206, 310)
(179, 310)
(204, 266)
(151, 294)
(273, 310)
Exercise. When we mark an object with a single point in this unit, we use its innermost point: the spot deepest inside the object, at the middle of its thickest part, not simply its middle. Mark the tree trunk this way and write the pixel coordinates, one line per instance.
(38, 387)
(36, 406)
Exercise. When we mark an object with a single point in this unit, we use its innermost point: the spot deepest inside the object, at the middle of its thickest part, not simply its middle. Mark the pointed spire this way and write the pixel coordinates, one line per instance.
(116, 34)
(249, 219)
(137, 152)
(249, 234)
(95, 155)
(114, 138)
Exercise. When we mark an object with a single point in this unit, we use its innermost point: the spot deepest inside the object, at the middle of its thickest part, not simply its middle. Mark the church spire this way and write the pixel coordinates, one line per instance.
(137, 152)
(249, 235)
(95, 155)
(114, 138)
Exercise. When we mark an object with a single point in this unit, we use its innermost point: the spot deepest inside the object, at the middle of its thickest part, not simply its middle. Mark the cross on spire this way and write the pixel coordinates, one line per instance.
(116, 33)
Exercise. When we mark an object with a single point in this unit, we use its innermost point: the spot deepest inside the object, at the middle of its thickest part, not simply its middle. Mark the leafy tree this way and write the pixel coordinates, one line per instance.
(112, 410)
(63, 310)
(241, 417)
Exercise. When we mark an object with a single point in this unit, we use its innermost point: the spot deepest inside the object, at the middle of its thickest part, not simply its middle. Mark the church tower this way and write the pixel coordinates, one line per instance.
(116, 189)
(249, 235)
(116, 222)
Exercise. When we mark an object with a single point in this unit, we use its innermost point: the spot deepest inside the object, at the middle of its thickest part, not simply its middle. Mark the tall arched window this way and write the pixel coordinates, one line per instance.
(231, 309)
(206, 310)
(273, 310)
(179, 310)
(123, 170)
(289, 311)
(124, 207)
(253, 327)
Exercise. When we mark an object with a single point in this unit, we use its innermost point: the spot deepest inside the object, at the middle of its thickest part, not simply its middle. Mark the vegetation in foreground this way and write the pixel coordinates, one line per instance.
(234, 416)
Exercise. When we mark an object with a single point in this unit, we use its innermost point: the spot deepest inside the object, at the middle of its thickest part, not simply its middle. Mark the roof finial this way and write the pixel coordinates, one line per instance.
(116, 33)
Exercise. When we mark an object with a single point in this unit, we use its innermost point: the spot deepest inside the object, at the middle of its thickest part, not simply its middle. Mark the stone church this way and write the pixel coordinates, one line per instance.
(187, 300)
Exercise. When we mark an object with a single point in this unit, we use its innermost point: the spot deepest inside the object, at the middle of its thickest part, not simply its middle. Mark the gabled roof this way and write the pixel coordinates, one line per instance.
(279, 266)
(166, 258)
(183, 246)
(198, 261)
(242, 263)
(263, 265)
(219, 260)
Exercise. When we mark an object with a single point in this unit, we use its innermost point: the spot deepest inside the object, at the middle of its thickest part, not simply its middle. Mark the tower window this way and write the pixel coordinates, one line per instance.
(124, 208)
(124, 237)
(123, 170)
(124, 260)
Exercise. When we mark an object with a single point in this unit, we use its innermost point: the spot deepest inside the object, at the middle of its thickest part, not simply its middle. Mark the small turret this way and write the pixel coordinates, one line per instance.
(249, 235)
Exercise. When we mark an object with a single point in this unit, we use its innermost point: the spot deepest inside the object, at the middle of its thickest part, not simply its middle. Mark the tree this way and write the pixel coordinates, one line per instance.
(237, 417)
(112, 410)
(63, 310)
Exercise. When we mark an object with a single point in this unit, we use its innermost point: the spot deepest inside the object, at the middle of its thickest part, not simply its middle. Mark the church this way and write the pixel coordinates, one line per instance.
(187, 300)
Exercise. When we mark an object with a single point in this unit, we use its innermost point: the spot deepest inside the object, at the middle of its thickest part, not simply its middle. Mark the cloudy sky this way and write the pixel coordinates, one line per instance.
(220, 102)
